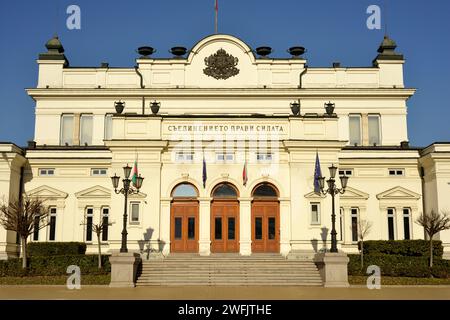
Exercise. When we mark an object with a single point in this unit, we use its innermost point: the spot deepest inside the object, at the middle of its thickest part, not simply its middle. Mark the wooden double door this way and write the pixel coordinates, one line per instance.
(265, 226)
(184, 226)
(224, 226)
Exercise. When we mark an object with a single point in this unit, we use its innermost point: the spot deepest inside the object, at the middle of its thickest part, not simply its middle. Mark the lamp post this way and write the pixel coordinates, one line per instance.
(127, 189)
(333, 190)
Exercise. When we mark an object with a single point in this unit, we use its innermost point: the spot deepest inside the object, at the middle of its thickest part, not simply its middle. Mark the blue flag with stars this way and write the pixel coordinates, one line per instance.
(317, 174)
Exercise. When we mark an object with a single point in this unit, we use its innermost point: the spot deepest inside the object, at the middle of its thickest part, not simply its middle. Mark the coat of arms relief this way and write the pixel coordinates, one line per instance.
(221, 65)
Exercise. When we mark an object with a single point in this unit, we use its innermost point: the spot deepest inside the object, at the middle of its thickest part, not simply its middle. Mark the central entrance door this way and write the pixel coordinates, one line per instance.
(224, 219)
(265, 220)
(184, 224)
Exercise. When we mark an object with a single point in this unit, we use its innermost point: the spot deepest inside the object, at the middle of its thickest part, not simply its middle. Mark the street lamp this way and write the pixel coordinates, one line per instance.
(127, 189)
(333, 190)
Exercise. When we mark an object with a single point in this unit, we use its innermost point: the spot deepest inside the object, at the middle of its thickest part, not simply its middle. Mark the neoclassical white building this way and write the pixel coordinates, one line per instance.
(224, 108)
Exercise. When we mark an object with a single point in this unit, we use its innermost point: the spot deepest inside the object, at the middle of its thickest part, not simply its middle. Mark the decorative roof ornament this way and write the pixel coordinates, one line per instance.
(221, 65)
(387, 50)
(55, 51)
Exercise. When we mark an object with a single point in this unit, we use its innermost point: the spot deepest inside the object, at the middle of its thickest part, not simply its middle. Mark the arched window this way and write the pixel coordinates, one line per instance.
(224, 190)
(185, 190)
(265, 190)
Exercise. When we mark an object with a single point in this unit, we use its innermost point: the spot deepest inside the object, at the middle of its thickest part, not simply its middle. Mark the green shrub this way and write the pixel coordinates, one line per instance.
(44, 249)
(400, 266)
(410, 248)
(54, 266)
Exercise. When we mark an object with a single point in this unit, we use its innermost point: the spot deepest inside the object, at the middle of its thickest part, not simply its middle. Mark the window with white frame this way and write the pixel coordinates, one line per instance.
(99, 172)
(374, 130)
(134, 209)
(397, 172)
(108, 126)
(66, 137)
(354, 217)
(184, 156)
(36, 228)
(105, 223)
(315, 213)
(391, 223)
(46, 172)
(346, 172)
(355, 137)
(224, 157)
(407, 223)
(86, 129)
(264, 157)
(89, 223)
(52, 224)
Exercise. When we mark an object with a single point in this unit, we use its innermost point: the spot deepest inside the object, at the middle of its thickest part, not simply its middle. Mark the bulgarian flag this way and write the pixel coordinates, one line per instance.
(134, 173)
(244, 174)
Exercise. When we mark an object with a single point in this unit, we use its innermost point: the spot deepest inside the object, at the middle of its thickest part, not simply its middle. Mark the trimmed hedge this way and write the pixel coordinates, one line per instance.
(399, 266)
(54, 266)
(45, 249)
(409, 248)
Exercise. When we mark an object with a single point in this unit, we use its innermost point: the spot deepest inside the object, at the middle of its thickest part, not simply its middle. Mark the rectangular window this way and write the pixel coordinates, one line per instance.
(354, 214)
(266, 157)
(99, 172)
(191, 228)
(184, 157)
(391, 230)
(178, 228)
(66, 130)
(108, 126)
(225, 157)
(397, 172)
(86, 129)
(52, 225)
(105, 224)
(315, 213)
(271, 229)
(89, 223)
(406, 223)
(218, 228)
(135, 212)
(231, 228)
(258, 228)
(36, 228)
(346, 172)
(374, 130)
(355, 130)
(46, 172)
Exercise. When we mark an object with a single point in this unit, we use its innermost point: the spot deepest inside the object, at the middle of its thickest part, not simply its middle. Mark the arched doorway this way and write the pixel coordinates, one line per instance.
(265, 219)
(184, 219)
(224, 219)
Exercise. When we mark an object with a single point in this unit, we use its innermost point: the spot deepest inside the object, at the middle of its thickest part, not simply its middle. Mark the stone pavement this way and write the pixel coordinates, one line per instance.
(225, 293)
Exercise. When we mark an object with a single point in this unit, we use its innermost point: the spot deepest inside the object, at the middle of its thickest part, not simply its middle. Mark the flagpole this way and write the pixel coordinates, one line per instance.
(216, 16)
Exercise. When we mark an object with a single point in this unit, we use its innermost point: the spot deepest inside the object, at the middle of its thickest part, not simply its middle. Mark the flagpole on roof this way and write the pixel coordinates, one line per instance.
(216, 20)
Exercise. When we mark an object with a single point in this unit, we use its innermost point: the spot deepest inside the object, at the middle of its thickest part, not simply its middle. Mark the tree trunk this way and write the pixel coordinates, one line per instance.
(99, 251)
(362, 255)
(24, 253)
(431, 251)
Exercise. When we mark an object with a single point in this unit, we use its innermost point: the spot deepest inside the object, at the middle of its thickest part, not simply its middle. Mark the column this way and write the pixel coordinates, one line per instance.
(398, 226)
(164, 235)
(285, 226)
(205, 226)
(347, 225)
(245, 226)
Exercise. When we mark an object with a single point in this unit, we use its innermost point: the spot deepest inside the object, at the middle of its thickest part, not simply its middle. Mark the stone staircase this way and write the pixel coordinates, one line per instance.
(228, 270)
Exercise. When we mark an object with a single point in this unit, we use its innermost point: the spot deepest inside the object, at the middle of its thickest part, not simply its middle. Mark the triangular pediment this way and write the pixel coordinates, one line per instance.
(94, 192)
(313, 195)
(46, 192)
(139, 195)
(398, 193)
(352, 193)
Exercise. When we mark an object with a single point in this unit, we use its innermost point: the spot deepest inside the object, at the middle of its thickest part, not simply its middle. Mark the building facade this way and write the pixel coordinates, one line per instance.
(228, 160)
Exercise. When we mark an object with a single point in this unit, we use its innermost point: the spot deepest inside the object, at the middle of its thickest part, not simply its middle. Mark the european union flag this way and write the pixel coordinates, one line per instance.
(317, 174)
(204, 172)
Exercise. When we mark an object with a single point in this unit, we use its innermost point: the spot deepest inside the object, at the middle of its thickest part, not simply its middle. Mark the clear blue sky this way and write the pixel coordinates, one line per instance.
(331, 30)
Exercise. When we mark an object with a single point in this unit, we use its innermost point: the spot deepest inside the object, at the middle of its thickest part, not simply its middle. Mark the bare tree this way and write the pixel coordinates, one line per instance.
(24, 216)
(433, 223)
(98, 229)
(364, 227)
